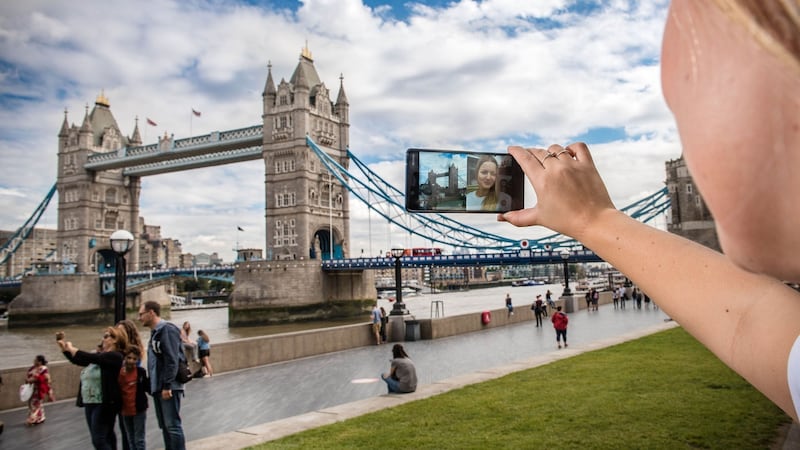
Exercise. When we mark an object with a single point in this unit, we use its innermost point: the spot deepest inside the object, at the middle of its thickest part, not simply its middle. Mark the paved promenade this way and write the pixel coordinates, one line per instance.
(242, 408)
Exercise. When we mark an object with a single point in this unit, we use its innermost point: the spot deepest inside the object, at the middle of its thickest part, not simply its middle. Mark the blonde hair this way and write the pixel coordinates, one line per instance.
(774, 24)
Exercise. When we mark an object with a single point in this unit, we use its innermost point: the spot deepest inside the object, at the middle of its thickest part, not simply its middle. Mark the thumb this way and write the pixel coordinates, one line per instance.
(521, 217)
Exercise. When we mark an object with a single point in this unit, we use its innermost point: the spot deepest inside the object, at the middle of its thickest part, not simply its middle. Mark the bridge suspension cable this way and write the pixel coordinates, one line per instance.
(388, 201)
(15, 241)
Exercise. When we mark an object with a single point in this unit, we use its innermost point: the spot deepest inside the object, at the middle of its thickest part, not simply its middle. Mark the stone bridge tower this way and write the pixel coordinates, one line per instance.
(307, 210)
(92, 205)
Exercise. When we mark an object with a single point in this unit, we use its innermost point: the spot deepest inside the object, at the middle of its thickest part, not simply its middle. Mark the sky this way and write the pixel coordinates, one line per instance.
(471, 75)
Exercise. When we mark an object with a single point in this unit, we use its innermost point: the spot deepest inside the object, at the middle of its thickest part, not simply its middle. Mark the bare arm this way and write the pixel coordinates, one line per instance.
(749, 321)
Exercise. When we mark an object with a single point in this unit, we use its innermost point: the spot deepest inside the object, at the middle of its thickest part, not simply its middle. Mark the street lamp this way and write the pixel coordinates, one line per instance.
(565, 258)
(121, 242)
(399, 308)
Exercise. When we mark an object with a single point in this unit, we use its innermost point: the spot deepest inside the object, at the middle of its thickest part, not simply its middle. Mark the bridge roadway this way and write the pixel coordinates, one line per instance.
(226, 272)
(214, 408)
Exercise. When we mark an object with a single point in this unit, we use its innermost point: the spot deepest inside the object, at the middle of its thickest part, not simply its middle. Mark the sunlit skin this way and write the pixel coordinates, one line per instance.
(487, 174)
(716, 79)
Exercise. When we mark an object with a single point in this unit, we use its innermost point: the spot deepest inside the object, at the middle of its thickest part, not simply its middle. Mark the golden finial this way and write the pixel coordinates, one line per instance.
(102, 99)
(306, 53)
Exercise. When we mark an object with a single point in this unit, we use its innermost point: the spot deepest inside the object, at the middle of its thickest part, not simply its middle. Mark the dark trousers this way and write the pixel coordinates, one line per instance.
(101, 420)
(168, 414)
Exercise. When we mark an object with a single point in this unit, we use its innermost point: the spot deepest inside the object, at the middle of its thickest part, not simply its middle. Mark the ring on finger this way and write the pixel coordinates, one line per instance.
(562, 151)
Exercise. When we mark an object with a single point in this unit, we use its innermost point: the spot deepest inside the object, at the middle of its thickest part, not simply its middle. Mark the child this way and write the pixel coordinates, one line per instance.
(204, 348)
(133, 385)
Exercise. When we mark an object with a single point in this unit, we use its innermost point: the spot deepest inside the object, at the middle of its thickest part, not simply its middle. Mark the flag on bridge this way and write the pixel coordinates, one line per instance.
(239, 228)
(151, 123)
(196, 113)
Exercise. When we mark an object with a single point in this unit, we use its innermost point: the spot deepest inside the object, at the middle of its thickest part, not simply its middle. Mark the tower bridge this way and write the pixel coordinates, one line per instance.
(310, 174)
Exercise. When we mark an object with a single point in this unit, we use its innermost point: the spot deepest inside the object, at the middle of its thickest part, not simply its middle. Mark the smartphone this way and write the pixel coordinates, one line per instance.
(462, 182)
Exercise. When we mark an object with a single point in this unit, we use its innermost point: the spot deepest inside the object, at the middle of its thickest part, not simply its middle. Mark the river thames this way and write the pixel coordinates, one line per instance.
(21, 345)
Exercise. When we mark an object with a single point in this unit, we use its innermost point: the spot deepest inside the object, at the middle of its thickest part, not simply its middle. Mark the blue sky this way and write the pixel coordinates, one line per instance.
(443, 74)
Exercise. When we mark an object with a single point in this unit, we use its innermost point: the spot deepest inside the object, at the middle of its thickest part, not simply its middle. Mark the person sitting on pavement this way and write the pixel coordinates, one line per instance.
(402, 376)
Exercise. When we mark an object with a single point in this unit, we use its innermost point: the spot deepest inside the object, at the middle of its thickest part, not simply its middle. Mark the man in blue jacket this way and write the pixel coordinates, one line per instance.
(163, 354)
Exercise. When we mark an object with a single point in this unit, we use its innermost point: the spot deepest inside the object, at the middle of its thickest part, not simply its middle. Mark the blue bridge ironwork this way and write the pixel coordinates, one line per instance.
(245, 144)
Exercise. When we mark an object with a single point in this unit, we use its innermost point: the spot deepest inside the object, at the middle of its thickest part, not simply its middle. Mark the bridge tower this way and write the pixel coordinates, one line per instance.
(307, 211)
(92, 205)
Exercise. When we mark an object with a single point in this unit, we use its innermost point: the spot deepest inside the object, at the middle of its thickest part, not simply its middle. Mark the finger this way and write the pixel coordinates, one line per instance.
(580, 151)
(525, 158)
(520, 217)
(555, 149)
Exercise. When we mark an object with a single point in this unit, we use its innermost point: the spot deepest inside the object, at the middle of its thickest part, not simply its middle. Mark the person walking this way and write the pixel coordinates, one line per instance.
(39, 376)
(615, 297)
(204, 350)
(384, 321)
(376, 323)
(537, 310)
(509, 306)
(163, 354)
(402, 376)
(550, 303)
(133, 384)
(560, 321)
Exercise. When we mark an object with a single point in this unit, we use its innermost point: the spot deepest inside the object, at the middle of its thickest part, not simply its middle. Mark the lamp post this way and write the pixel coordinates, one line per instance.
(399, 307)
(565, 258)
(121, 242)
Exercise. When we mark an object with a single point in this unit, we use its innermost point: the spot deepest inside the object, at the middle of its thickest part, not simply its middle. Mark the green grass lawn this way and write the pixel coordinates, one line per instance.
(661, 391)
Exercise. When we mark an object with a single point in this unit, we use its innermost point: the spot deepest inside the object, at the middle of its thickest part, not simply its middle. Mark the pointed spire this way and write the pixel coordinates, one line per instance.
(136, 138)
(341, 99)
(86, 127)
(269, 87)
(301, 81)
(64, 132)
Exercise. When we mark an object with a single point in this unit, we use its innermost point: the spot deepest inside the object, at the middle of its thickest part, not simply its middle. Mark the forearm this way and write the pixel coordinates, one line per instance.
(749, 321)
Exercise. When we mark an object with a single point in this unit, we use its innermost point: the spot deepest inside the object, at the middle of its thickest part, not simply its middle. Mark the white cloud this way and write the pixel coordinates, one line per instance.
(474, 75)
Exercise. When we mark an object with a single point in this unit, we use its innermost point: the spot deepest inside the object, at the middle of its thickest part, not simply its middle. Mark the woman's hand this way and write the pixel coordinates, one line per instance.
(570, 193)
(66, 346)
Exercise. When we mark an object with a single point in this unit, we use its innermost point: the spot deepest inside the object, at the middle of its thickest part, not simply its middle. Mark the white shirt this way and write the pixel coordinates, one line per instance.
(475, 203)
(793, 375)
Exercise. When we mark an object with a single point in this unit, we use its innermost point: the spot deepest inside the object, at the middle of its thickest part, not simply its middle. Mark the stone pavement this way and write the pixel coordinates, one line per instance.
(237, 409)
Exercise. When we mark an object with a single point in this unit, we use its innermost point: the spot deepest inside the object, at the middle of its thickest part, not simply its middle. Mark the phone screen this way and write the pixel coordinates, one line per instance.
(464, 182)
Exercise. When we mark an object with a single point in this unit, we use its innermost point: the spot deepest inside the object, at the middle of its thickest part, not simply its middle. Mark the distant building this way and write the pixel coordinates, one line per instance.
(156, 252)
(249, 254)
(689, 216)
(41, 245)
(204, 259)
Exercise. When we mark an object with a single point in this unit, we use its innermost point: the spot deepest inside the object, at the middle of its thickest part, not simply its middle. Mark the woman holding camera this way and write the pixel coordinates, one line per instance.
(99, 392)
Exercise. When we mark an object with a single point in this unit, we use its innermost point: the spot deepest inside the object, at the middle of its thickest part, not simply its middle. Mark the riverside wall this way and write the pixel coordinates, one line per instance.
(257, 351)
